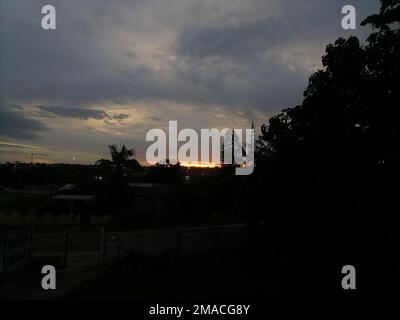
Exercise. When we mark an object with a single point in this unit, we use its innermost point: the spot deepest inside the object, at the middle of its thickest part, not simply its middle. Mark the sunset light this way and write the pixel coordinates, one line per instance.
(200, 164)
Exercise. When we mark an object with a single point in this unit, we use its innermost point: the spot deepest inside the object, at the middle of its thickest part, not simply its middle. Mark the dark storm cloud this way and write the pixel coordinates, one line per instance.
(15, 123)
(262, 63)
(88, 58)
(120, 116)
(238, 41)
(75, 112)
(79, 113)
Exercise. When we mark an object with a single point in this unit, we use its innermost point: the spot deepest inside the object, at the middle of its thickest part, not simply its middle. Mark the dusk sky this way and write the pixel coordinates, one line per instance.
(112, 70)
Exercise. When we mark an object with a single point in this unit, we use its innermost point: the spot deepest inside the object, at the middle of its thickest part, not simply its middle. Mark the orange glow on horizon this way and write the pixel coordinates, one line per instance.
(199, 164)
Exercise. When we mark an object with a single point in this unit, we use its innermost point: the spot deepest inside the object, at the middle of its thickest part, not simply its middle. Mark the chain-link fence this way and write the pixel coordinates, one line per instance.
(94, 246)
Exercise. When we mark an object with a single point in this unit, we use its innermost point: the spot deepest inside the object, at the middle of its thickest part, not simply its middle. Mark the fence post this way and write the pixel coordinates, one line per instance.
(102, 245)
(66, 247)
(178, 243)
(215, 243)
(5, 248)
(195, 242)
(30, 244)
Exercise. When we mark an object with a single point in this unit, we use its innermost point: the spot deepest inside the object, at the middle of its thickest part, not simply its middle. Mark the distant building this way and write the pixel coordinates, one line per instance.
(155, 199)
(85, 200)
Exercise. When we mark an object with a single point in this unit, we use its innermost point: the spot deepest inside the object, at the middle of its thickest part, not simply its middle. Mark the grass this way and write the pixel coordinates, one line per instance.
(229, 278)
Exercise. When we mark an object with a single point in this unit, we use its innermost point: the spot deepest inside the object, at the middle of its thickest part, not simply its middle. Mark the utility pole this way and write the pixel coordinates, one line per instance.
(31, 158)
(233, 147)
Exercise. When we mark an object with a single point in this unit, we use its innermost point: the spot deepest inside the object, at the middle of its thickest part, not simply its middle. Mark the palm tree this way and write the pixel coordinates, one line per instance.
(122, 159)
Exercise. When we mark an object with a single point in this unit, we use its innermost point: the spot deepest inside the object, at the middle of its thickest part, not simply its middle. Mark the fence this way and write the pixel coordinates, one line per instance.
(93, 246)
(182, 241)
(15, 247)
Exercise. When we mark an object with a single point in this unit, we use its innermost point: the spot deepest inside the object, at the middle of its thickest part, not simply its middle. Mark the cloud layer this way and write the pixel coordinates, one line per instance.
(113, 70)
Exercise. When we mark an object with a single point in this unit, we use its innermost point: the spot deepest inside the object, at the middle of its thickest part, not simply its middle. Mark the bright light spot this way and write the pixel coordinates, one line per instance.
(199, 165)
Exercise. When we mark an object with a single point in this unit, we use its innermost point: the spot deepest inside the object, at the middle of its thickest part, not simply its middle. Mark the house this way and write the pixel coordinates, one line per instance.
(85, 200)
(155, 199)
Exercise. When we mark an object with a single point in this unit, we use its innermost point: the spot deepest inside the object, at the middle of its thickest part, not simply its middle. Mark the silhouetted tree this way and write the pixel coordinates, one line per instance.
(121, 165)
(335, 158)
(355, 95)
(122, 159)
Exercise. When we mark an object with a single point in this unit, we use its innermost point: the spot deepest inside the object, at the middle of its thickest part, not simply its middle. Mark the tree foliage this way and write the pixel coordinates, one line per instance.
(353, 100)
(122, 159)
